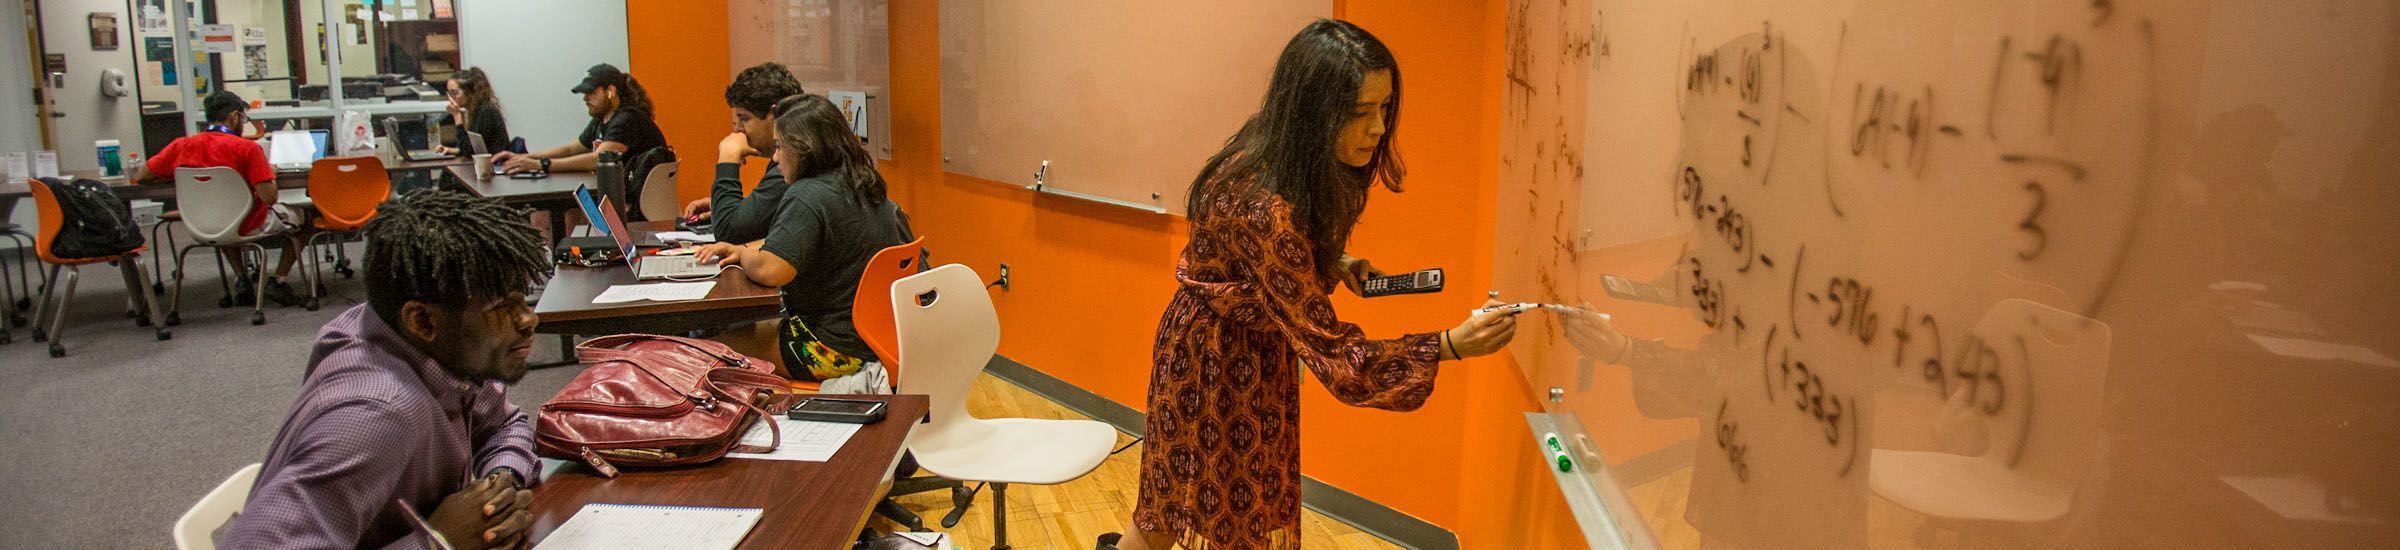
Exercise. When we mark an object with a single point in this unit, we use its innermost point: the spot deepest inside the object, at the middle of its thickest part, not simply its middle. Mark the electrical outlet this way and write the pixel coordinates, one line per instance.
(1003, 282)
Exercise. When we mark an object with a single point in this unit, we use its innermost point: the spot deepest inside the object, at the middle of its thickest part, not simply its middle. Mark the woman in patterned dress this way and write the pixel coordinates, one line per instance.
(1270, 214)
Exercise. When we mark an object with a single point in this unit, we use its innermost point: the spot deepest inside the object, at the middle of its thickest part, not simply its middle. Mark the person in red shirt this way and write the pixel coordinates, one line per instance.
(221, 145)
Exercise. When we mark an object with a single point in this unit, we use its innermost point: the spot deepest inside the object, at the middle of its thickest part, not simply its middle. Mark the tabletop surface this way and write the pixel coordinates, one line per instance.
(805, 504)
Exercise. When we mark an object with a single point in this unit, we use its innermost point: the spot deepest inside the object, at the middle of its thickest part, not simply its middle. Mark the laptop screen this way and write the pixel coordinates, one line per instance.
(319, 137)
(616, 228)
(591, 211)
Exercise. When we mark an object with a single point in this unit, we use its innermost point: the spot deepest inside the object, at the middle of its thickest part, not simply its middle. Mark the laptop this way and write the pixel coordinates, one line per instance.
(391, 131)
(288, 154)
(475, 143)
(652, 267)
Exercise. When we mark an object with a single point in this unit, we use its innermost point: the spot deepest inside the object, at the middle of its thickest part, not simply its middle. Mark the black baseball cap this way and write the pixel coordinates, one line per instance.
(600, 75)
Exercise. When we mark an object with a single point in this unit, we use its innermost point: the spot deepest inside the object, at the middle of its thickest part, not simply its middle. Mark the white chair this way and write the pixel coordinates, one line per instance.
(2032, 465)
(193, 531)
(213, 202)
(658, 193)
(948, 332)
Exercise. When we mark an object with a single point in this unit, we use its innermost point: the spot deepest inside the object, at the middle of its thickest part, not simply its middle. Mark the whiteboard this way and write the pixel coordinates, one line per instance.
(831, 46)
(532, 71)
(1124, 100)
(1958, 273)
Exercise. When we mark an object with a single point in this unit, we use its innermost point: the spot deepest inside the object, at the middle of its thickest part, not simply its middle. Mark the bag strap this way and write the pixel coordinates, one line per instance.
(605, 347)
(717, 382)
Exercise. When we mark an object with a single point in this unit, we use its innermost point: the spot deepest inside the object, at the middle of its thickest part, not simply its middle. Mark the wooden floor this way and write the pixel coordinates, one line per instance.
(1075, 513)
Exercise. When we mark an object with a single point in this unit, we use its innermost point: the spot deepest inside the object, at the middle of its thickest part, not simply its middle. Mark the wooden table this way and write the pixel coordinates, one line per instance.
(296, 179)
(805, 504)
(566, 306)
(554, 194)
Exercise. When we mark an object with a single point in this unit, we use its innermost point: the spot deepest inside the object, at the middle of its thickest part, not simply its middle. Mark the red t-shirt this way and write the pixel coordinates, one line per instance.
(212, 149)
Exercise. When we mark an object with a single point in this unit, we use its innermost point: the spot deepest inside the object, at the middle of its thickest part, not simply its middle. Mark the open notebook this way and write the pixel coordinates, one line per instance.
(611, 526)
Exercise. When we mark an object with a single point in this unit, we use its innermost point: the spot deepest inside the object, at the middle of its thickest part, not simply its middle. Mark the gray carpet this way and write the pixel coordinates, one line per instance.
(106, 447)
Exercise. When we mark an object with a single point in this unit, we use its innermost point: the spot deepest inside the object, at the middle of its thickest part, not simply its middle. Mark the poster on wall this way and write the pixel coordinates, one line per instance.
(104, 31)
(152, 19)
(254, 52)
(441, 9)
(216, 39)
(854, 108)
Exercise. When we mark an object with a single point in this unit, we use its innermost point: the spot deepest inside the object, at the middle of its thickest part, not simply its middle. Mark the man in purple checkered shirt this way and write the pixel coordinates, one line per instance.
(403, 399)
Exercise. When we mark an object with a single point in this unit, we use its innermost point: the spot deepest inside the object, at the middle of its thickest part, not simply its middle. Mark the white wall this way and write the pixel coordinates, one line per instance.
(88, 115)
(535, 50)
(18, 129)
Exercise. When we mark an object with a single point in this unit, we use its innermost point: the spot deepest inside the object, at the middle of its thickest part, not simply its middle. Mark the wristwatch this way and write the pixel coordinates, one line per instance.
(545, 165)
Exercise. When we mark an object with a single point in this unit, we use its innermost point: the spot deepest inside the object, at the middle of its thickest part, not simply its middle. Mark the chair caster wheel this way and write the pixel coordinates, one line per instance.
(141, 321)
(225, 302)
(258, 318)
(5, 337)
(311, 305)
(57, 350)
(158, 288)
(165, 335)
(174, 319)
(38, 336)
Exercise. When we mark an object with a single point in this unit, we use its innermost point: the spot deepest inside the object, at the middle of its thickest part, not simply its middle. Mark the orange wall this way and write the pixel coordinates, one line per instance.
(1089, 281)
(678, 53)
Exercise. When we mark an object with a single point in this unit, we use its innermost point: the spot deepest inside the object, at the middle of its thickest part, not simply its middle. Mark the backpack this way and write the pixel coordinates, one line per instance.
(94, 222)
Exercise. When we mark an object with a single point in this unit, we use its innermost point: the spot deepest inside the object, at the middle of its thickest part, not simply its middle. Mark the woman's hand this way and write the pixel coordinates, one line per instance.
(1356, 271)
(697, 210)
(1483, 333)
(722, 254)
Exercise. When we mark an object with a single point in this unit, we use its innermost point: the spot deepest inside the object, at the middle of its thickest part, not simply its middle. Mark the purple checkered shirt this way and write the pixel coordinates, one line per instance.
(376, 421)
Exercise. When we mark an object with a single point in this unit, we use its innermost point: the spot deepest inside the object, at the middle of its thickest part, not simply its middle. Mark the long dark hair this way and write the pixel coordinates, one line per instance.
(819, 137)
(475, 91)
(1289, 145)
(630, 95)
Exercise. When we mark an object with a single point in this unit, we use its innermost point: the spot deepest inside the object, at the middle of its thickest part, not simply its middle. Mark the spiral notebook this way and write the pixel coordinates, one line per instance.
(612, 526)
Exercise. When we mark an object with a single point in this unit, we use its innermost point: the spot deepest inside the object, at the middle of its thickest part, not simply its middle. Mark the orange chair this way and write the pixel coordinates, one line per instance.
(871, 307)
(346, 191)
(49, 219)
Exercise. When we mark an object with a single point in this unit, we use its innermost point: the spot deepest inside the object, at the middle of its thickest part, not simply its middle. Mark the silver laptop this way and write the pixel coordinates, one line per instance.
(391, 131)
(652, 267)
(475, 143)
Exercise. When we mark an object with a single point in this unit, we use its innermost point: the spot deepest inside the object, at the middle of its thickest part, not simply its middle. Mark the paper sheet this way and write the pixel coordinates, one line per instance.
(45, 164)
(17, 166)
(661, 292)
(672, 237)
(803, 440)
(608, 526)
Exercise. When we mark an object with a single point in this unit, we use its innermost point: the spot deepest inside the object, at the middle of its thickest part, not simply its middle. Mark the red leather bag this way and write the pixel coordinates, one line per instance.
(655, 401)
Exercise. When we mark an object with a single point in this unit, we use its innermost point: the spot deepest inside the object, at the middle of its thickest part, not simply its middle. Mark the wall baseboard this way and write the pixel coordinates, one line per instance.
(1344, 506)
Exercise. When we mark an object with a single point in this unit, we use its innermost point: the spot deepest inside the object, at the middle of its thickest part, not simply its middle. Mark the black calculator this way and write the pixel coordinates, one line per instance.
(1406, 283)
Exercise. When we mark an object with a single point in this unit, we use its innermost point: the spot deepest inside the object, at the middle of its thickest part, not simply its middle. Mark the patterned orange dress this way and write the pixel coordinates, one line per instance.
(1221, 456)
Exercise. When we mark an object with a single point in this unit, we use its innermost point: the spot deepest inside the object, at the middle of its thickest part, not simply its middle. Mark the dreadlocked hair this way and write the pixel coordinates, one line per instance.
(448, 248)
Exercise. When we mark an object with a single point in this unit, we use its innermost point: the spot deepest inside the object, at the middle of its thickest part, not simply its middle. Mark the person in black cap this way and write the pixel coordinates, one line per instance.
(620, 122)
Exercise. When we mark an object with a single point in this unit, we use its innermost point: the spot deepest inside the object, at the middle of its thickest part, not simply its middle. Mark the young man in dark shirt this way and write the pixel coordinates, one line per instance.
(621, 122)
(752, 95)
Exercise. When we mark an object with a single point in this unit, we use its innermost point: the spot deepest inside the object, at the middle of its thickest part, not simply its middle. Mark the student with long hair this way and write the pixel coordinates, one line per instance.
(474, 108)
(621, 122)
(1270, 215)
(833, 218)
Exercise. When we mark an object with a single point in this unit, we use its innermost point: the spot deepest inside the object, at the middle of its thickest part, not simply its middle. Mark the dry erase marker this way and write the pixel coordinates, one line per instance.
(1511, 309)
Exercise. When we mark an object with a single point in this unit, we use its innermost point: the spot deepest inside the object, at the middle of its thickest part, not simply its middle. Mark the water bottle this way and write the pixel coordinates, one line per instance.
(112, 163)
(611, 175)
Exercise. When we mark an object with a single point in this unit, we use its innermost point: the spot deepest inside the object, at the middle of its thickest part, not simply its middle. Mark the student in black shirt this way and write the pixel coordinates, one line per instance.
(620, 122)
(833, 218)
(752, 95)
(473, 108)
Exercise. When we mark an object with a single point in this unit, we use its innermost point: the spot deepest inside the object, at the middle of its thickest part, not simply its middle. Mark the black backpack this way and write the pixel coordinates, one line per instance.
(95, 223)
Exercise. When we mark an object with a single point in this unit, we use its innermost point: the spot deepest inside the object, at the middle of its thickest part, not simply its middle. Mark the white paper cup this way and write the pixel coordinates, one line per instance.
(483, 166)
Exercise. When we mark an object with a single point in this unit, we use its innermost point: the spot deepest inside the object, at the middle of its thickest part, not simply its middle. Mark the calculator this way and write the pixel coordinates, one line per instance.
(1406, 283)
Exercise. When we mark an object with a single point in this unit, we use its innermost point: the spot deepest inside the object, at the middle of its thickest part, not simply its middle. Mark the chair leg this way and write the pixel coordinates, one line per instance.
(1000, 516)
(41, 307)
(175, 292)
(133, 293)
(150, 301)
(314, 267)
(58, 315)
(258, 306)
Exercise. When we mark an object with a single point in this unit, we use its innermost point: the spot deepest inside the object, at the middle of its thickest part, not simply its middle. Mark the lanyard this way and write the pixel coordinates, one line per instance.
(221, 128)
